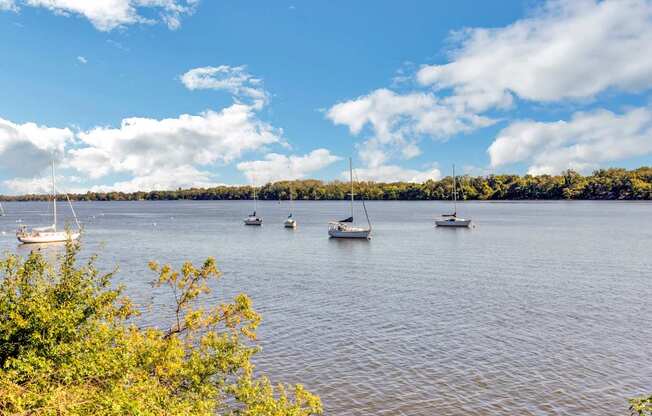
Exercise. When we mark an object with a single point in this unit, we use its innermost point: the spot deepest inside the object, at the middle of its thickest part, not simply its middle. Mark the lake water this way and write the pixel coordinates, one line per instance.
(542, 308)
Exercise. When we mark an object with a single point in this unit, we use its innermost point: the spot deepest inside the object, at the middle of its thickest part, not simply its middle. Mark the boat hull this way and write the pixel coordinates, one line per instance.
(290, 224)
(340, 231)
(253, 221)
(350, 234)
(49, 237)
(453, 223)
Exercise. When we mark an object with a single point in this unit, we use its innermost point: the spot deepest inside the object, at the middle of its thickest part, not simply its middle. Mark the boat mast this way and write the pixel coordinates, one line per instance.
(351, 176)
(255, 201)
(291, 206)
(454, 192)
(54, 197)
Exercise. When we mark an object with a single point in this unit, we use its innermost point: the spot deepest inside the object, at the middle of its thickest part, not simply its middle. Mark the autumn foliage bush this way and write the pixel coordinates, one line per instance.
(641, 406)
(69, 346)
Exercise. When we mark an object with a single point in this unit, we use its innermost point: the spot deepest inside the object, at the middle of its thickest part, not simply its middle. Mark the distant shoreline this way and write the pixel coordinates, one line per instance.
(605, 184)
(45, 200)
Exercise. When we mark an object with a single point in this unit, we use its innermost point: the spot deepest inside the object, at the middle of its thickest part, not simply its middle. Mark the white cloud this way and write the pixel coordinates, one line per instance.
(26, 149)
(393, 173)
(566, 50)
(144, 146)
(9, 5)
(107, 15)
(234, 79)
(82, 60)
(151, 153)
(373, 153)
(280, 167)
(582, 143)
(164, 179)
(394, 117)
(42, 185)
(397, 121)
(148, 153)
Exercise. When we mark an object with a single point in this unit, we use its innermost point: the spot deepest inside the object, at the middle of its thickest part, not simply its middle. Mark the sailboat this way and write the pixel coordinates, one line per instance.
(49, 234)
(452, 220)
(253, 219)
(290, 222)
(2, 211)
(345, 228)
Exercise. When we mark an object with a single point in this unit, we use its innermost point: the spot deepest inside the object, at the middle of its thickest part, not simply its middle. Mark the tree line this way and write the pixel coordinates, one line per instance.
(603, 184)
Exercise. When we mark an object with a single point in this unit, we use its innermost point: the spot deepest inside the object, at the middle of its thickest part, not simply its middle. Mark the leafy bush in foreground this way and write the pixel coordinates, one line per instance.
(641, 406)
(67, 347)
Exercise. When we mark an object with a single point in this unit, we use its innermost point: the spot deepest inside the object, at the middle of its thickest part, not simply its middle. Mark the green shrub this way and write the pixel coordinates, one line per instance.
(69, 347)
(641, 406)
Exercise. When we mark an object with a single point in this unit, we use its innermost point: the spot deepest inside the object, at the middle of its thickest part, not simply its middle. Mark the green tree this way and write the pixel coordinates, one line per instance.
(602, 184)
(68, 347)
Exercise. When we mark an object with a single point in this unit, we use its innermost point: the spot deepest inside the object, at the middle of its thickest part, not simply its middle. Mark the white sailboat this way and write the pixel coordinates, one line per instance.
(452, 220)
(49, 234)
(290, 222)
(253, 219)
(344, 228)
(2, 211)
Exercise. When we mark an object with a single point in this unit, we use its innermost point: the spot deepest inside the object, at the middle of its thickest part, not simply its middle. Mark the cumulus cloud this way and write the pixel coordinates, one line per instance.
(148, 153)
(234, 79)
(581, 143)
(281, 167)
(161, 180)
(107, 15)
(143, 146)
(9, 5)
(566, 50)
(152, 153)
(397, 121)
(394, 173)
(42, 185)
(26, 149)
(395, 117)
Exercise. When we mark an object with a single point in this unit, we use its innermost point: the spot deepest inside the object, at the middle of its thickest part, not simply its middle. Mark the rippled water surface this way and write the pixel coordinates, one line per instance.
(542, 308)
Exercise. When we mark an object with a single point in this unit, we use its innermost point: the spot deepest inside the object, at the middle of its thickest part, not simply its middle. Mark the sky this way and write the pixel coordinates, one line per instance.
(134, 95)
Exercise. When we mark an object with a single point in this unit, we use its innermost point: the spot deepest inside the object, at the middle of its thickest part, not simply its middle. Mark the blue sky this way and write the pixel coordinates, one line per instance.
(129, 95)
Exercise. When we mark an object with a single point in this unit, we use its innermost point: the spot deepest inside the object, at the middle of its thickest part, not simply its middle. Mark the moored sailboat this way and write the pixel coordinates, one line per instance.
(254, 219)
(290, 222)
(49, 234)
(345, 228)
(452, 220)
